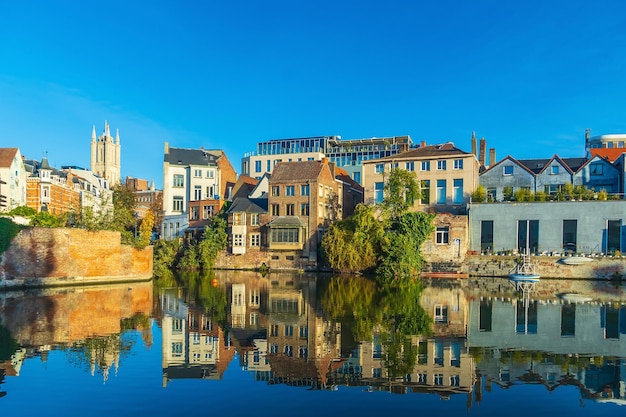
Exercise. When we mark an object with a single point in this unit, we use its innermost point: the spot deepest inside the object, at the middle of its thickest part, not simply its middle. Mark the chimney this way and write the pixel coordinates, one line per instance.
(167, 148)
(423, 144)
(474, 143)
(492, 156)
(481, 157)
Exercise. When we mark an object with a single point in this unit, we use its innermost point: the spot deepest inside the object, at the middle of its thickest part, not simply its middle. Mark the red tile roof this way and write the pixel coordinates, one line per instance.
(6, 156)
(608, 153)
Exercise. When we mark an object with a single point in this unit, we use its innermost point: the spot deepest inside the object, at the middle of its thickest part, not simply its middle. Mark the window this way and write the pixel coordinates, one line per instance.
(491, 194)
(257, 166)
(486, 235)
(394, 166)
(441, 165)
(290, 190)
(275, 210)
(210, 173)
(274, 330)
(304, 189)
(275, 191)
(255, 239)
(269, 166)
(458, 164)
(239, 219)
(179, 181)
(379, 188)
(290, 210)
(595, 169)
(210, 192)
(303, 352)
(197, 173)
(425, 190)
(304, 209)
(410, 166)
(254, 219)
(288, 330)
(458, 191)
(197, 192)
(552, 189)
(177, 204)
(194, 213)
(207, 212)
(441, 191)
(443, 235)
(238, 240)
(357, 177)
(304, 332)
(441, 313)
(288, 350)
(425, 166)
(379, 168)
(255, 298)
(554, 170)
(286, 235)
(507, 170)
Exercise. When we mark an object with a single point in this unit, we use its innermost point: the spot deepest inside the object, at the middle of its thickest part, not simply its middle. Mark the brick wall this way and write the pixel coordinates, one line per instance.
(62, 256)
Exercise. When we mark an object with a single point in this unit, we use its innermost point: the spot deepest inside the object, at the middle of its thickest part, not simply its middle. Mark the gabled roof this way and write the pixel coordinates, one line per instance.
(181, 156)
(342, 175)
(612, 154)
(6, 156)
(539, 165)
(244, 186)
(445, 149)
(297, 171)
(248, 205)
(508, 158)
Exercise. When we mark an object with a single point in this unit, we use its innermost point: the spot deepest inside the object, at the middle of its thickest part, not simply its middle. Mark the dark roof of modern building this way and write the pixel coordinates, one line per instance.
(445, 149)
(297, 171)
(6, 156)
(248, 205)
(539, 164)
(181, 156)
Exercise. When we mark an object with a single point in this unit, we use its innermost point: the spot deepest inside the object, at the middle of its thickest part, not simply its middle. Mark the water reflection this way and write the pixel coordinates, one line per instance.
(443, 337)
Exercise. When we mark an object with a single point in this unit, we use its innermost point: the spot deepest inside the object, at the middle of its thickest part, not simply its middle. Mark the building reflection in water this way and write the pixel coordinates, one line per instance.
(87, 322)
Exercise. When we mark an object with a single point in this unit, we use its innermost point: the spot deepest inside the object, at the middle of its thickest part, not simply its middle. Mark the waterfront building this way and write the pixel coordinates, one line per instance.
(147, 198)
(548, 175)
(106, 155)
(347, 154)
(447, 175)
(51, 190)
(12, 179)
(196, 184)
(591, 227)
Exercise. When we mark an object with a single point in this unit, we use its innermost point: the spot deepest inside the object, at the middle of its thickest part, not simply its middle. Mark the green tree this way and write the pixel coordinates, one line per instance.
(45, 219)
(214, 240)
(401, 190)
(479, 195)
(353, 245)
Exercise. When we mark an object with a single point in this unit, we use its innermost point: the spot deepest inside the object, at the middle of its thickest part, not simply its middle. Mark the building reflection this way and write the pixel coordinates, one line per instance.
(87, 322)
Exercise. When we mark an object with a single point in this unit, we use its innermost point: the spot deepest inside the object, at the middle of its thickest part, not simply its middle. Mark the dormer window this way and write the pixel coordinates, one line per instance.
(554, 170)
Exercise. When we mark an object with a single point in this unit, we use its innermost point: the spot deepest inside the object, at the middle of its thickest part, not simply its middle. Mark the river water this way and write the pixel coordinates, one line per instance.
(239, 343)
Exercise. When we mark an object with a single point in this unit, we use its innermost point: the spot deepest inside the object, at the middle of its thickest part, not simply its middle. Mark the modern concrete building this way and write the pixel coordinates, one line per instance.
(106, 155)
(546, 227)
(447, 175)
(347, 154)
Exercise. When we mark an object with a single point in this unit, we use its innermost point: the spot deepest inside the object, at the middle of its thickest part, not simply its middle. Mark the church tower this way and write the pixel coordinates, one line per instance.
(105, 155)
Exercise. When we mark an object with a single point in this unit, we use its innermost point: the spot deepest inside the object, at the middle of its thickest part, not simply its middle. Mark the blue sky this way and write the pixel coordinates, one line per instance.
(528, 76)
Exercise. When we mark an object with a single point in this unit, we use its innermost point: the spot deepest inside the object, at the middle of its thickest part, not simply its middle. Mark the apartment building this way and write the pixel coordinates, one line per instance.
(447, 176)
(196, 184)
(347, 154)
(12, 179)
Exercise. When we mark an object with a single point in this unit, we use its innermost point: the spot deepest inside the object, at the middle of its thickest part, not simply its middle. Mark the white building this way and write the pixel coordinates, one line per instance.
(12, 179)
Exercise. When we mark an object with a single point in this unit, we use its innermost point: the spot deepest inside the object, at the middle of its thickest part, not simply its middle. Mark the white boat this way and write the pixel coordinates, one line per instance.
(524, 271)
(575, 298)
(575, 260)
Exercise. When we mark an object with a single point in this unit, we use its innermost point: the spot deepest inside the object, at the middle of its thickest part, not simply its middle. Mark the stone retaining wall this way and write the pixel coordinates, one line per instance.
(66, 256)
(547, 267)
